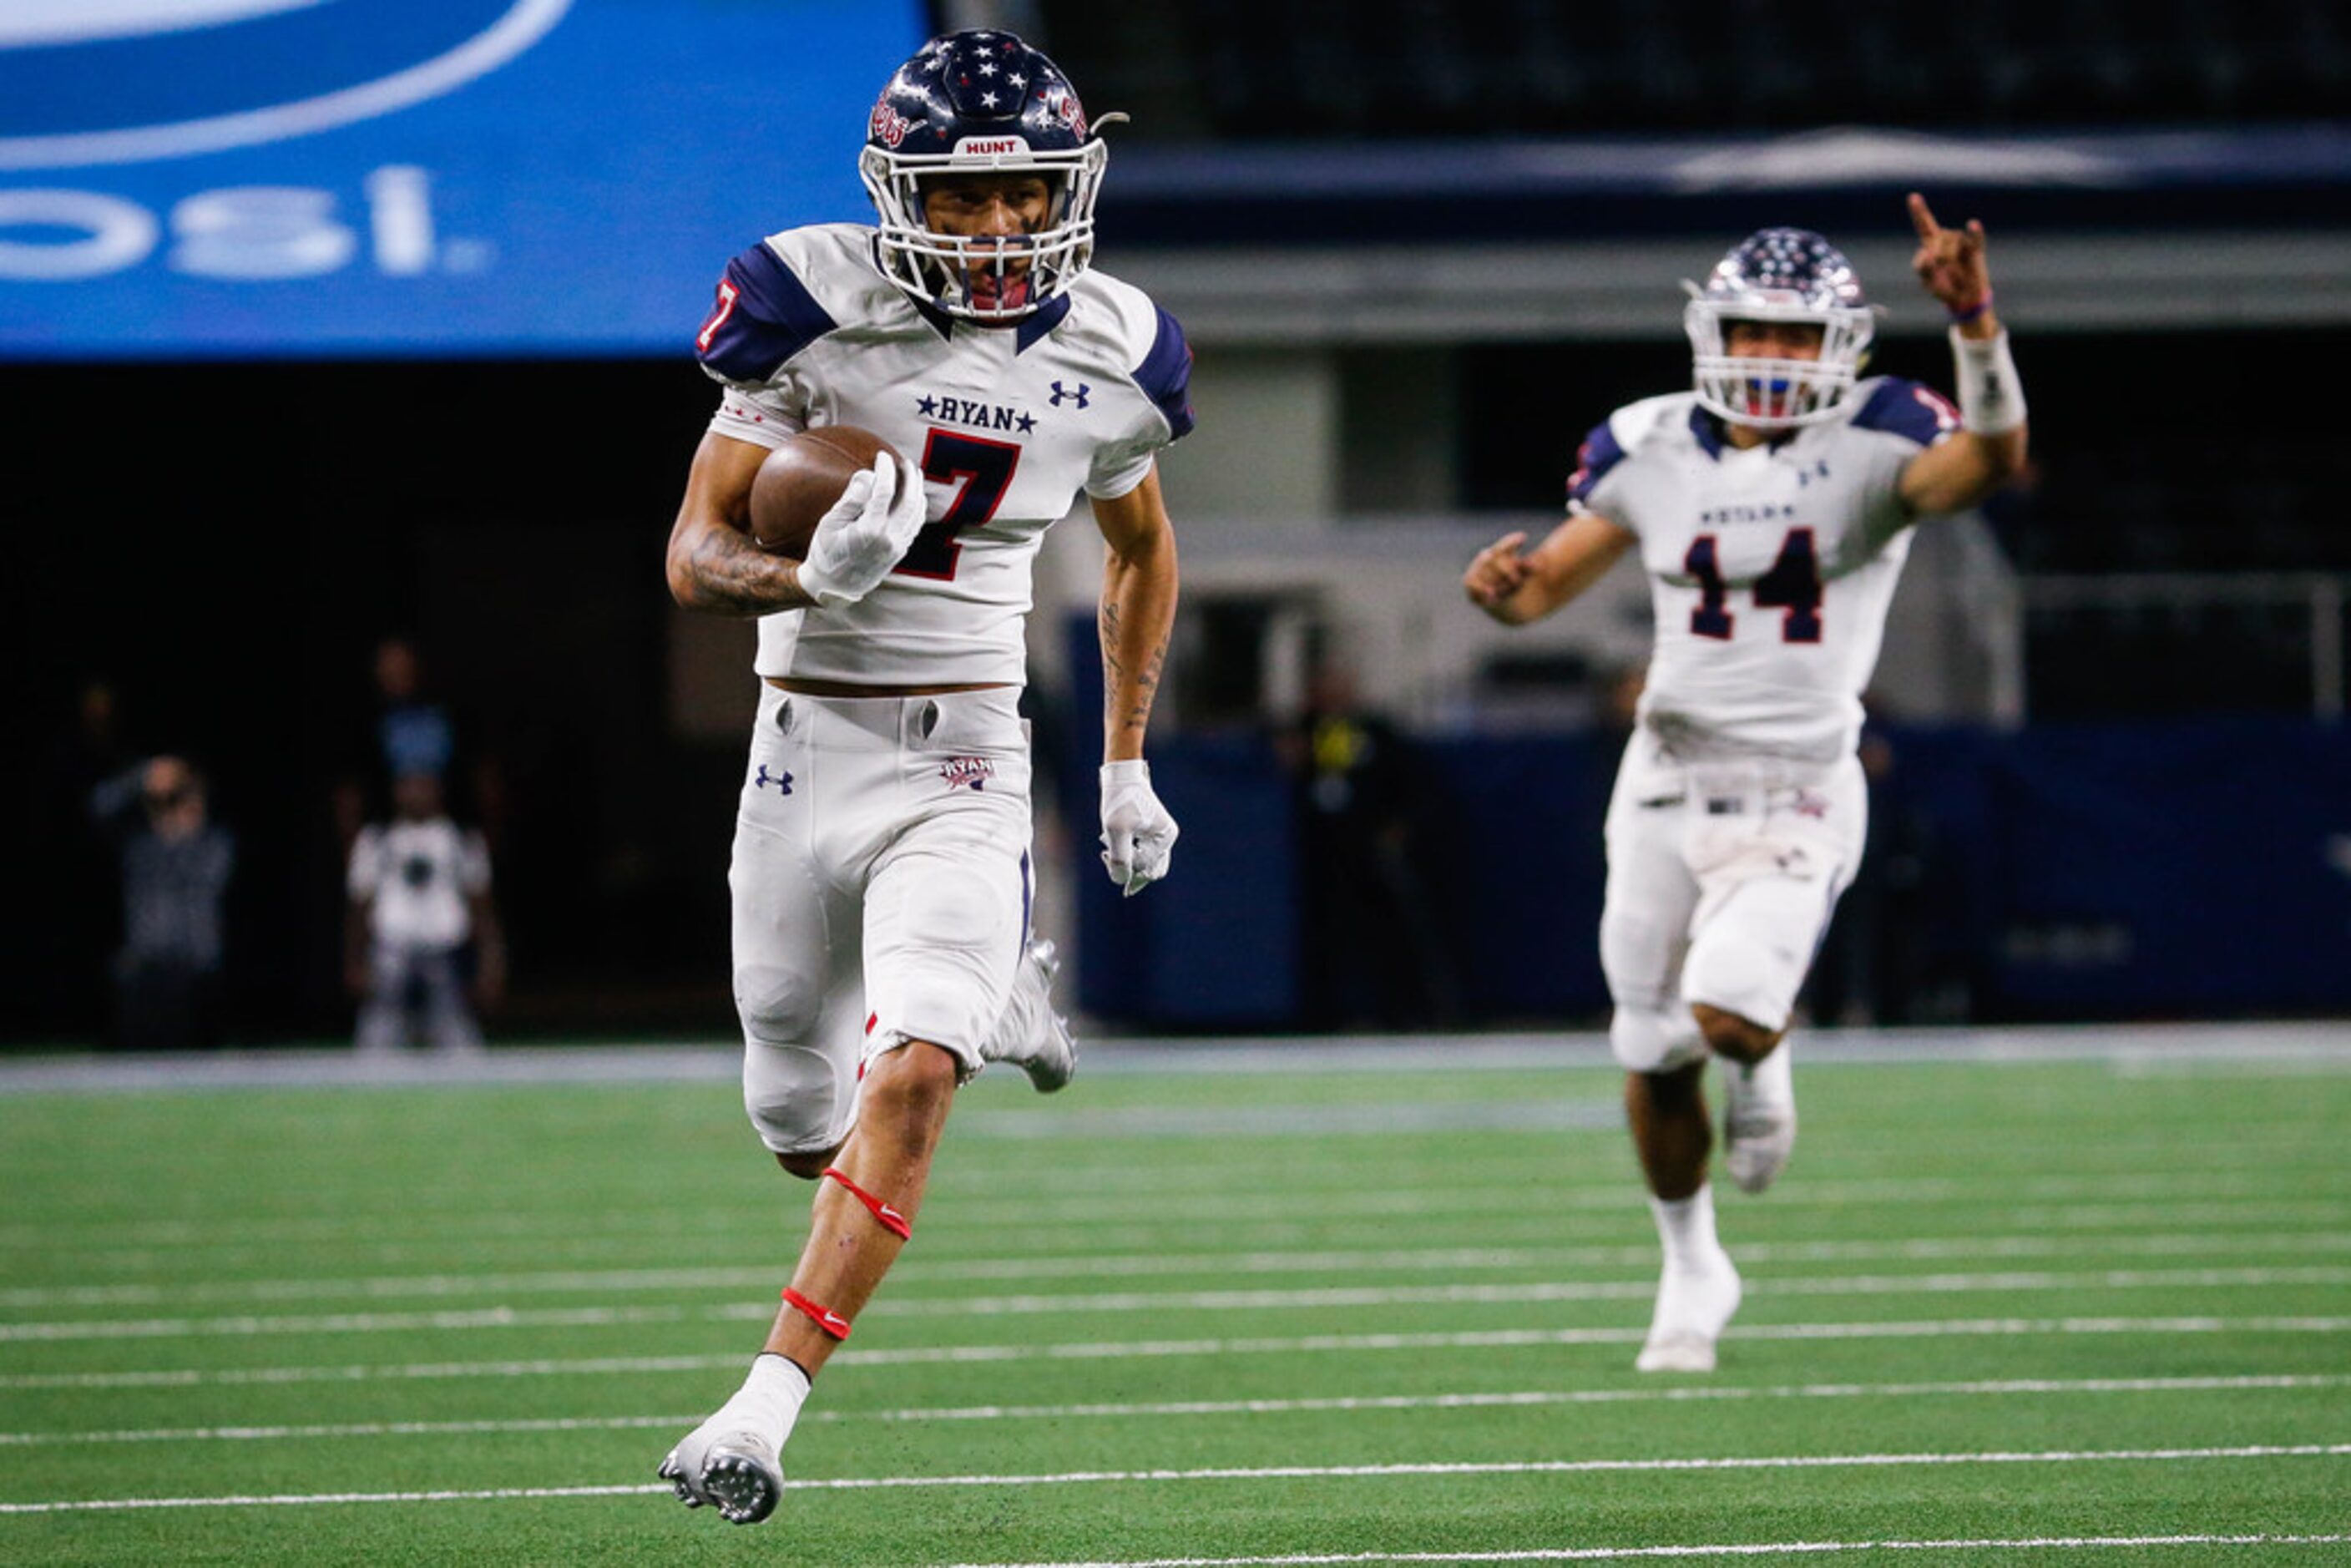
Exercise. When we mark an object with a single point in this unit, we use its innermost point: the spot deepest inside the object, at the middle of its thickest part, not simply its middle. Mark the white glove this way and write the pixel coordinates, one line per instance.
(1138, 835)
(864, 536)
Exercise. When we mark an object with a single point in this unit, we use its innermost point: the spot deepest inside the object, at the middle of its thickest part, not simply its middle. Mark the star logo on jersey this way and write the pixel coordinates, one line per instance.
(978, 415)
(1083, 394)
(782, 781)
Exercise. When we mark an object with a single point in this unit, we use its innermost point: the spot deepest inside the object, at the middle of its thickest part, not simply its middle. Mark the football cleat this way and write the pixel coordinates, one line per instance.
(1030, 1033)
(729, 1468)
(1759, 1119)
(1693, 1306)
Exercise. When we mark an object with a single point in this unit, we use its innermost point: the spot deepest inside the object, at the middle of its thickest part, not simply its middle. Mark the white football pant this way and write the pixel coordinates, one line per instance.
(881, 892)
(1721, 879)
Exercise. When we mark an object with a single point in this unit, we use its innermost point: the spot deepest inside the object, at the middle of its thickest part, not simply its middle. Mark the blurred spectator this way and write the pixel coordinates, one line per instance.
(1372, 951)
(73, 944)
(176, 864)
(420, 919)
(413, 735)
(409, 731)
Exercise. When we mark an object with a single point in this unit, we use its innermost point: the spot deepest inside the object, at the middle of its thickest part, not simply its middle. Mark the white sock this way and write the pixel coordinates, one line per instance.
(771, 1396)
(1686, 1226)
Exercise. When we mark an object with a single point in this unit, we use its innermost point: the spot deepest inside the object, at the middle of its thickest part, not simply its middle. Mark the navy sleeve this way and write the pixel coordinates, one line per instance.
(1165, 376)
(1593, 459)
(764, 315)
(1909, 410)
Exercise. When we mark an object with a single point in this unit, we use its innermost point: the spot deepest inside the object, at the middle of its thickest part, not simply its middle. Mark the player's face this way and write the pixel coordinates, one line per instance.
(998, 209)
(1771, 340)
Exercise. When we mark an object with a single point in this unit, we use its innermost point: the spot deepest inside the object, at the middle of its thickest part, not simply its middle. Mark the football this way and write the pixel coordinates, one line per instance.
(802, 478)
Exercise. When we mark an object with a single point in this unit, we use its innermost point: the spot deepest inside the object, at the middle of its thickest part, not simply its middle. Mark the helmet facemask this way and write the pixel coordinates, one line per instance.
(1775, 394)
(1778, 274)
(987, 278)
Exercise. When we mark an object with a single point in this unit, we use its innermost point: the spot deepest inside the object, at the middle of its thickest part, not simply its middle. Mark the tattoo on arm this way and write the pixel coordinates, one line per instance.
(1146, 688)
(1114, 667)
(736, 577)
(1117, 678)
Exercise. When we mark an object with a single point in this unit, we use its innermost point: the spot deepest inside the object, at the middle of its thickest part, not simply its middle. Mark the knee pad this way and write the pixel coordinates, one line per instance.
(941, 966)
(1654, 1039)
(956, 910)
(1750, 959)
(777, 1006)
(799, 1099)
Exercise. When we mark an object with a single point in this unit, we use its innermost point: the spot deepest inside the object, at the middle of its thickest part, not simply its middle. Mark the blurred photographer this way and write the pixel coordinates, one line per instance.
(176, 864)
(423, 946)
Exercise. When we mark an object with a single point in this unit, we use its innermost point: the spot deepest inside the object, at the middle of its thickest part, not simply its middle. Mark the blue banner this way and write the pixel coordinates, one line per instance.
(191, 178)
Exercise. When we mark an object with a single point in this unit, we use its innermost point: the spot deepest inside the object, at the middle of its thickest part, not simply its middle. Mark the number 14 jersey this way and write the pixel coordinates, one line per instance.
(1007, 424)
(1770, 569)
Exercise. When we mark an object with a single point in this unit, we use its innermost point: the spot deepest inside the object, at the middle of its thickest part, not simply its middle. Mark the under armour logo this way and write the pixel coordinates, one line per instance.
(1080, 397)
(782, 781)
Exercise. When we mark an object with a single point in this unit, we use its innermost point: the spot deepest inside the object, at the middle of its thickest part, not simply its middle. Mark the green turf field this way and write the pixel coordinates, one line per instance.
(1180, 1315)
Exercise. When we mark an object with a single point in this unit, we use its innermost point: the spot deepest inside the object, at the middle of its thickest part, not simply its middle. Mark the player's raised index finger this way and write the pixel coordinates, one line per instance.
(1921, 219)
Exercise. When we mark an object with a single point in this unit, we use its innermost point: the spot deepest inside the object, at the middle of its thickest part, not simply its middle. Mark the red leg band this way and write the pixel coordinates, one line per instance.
(891, 1220)
(828, 1320)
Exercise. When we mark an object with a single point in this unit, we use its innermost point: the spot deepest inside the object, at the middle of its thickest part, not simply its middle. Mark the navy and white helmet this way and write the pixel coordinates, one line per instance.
(982, 101)
(1778, 274)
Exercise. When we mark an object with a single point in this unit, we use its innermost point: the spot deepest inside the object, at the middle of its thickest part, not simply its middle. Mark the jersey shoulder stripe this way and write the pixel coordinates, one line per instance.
(1600, 452)
(1165, 376)
(1908, 409)
(764, 315)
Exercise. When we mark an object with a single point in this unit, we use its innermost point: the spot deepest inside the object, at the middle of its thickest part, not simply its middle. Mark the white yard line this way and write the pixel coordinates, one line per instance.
(2018, 1281)
(1532, 1398)
(915, 1272)
(1190, 1229)
(1285, 1472)
(2153, 1191)
(1121, 1349)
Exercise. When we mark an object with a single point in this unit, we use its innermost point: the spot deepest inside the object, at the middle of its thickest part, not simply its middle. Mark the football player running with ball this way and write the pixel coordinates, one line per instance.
(1770, 509)
(880, 868)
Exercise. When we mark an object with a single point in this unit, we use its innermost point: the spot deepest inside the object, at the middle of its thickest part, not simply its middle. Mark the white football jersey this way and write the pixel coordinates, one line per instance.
(1007, 423)
(421, 876)
(1770, 568)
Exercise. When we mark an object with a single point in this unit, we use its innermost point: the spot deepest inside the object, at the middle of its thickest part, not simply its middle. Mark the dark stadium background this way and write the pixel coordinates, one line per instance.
(226, 541)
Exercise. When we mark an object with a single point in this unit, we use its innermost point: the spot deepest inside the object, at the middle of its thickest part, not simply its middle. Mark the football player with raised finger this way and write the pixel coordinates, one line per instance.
(1770, 509)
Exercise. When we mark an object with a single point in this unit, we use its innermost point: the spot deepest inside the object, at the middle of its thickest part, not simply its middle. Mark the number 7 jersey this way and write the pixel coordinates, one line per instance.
(1008, 425)
(1770, 569)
